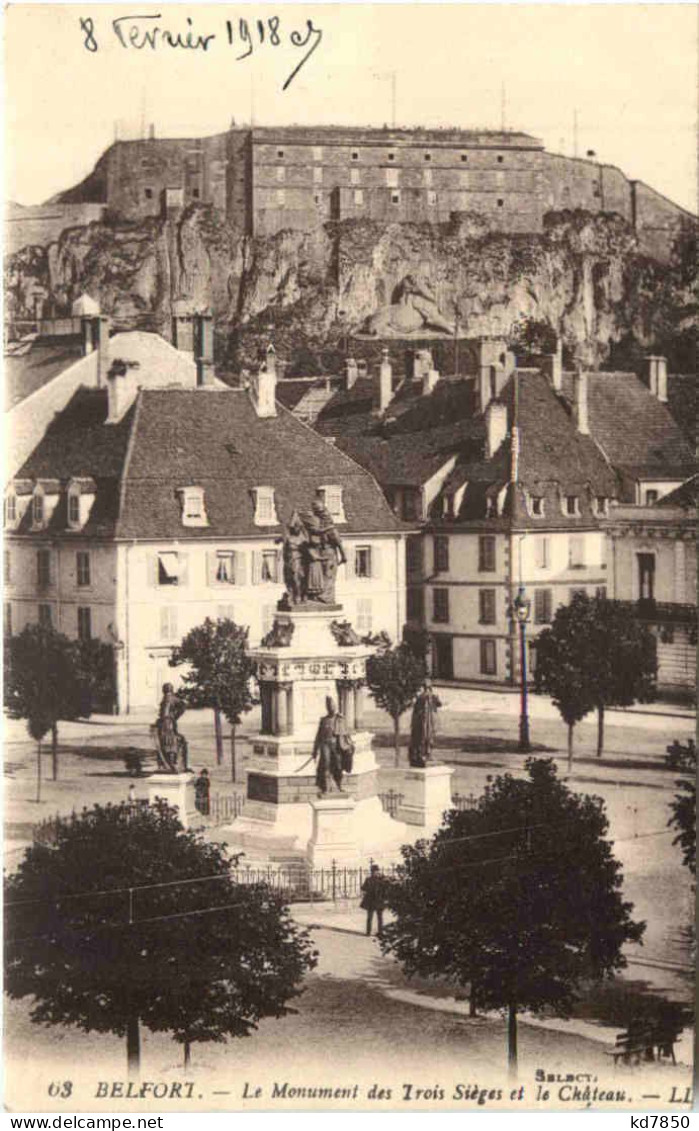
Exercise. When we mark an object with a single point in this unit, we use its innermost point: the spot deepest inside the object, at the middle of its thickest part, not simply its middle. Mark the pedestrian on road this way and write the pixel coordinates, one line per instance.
(202, 793)
(373, 898)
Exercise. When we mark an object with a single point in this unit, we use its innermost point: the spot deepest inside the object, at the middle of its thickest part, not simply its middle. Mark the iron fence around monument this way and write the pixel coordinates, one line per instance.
(298, 884)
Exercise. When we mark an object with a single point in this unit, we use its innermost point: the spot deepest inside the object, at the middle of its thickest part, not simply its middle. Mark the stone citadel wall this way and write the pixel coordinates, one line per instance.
(266, 180)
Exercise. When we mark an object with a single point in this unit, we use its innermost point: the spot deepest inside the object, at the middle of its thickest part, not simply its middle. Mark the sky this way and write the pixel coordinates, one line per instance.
(626, 72)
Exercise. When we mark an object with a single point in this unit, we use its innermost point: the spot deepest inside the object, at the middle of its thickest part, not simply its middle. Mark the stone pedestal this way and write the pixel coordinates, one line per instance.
(303, 664)
(426, 795)
(333, 836)
(176, 789)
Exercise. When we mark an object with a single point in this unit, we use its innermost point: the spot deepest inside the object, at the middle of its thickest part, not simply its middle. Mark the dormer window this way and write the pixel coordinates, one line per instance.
(38, 510)
(571, 505)
(265, 510)
(81, 496)
(601, 505)
(331, 498)
(11, 511)
(192, 505)
(537, 506)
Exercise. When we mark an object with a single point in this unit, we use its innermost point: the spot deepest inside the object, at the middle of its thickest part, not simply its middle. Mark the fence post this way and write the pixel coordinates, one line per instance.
(334, 877)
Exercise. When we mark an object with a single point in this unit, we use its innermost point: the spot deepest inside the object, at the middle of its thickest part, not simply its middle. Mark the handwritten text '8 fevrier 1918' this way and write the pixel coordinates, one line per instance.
(141, 33)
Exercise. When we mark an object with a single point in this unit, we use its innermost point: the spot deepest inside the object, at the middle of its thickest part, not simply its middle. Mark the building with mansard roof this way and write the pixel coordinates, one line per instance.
(511, 472)
(148, 505)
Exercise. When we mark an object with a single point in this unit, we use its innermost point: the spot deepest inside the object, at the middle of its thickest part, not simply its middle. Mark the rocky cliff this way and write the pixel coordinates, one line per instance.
(583, 276)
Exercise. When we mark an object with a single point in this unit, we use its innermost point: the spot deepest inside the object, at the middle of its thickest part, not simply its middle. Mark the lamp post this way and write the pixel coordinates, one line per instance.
(521, 608)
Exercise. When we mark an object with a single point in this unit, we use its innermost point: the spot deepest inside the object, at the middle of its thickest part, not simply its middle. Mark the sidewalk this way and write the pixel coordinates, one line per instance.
(347, 918)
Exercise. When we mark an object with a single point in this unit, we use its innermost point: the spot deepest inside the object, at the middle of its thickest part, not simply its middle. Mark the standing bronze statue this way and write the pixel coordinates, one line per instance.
(423, 726)
(171, 746)
(331, 743)
(312, 552)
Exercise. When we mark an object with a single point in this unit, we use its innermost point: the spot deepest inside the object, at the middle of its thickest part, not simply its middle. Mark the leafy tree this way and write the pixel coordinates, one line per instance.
(394, 676)
(683, 758)
(129, 920)
(95, 671)
(602, 648)
(218, 675)
(42, 683)
(621, 660)
(519, 898)
(558, 673)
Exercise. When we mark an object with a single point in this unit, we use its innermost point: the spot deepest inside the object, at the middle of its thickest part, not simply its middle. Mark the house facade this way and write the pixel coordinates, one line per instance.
(653, 567)
(144, 510)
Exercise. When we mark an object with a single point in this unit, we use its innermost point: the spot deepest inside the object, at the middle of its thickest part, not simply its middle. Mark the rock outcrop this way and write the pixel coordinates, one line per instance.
(584, 276)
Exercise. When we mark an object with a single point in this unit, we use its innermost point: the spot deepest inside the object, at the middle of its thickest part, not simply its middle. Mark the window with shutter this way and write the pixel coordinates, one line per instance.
(168, 623)
(576, 551)
(364, 615)
(542, 553)
(489, 657)
(84, 623)
(542, 606)
(331, 498)
(441, 553)
(486, 604)
(440, 606)
(486, 553)
(73, 509)
(269, 566)
(82, 566)
(43, 568)
(224, 567)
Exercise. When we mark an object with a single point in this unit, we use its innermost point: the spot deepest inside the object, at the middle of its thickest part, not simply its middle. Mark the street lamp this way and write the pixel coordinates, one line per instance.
(521, 608)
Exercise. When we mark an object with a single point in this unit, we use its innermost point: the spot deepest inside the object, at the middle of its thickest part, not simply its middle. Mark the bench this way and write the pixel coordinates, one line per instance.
(643, 1039)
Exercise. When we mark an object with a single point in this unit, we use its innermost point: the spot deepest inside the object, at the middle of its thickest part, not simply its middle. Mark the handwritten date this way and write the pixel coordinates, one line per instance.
(141, 33)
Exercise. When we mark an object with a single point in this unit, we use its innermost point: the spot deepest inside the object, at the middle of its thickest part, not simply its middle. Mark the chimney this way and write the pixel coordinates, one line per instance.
(121, 389)
(204, 349)
(553, 366)
(429, 380)
(655, 376)
(495, 427)
(383, 384)
(662, 380)
(183, 333)
(580, 402)
(351, 371)
(264, 386)
(495, 364)
(100, 339)
(86, 327)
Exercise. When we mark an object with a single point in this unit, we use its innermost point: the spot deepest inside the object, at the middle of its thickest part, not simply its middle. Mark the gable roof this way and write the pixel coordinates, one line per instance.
(684, 496)
(214, 438)
(29, 370)
(637, 433)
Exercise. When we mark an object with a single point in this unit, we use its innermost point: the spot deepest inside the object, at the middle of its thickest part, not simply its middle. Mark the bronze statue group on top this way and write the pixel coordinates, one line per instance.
(312, 551)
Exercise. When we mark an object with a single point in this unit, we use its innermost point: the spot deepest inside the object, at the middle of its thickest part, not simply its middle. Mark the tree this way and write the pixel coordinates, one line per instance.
(394, 676)
(559, 671)
(42, 683)
(519, 898)
(621, 657)
(218, 676)
(683, 758)
(168, 940)
(602, 648)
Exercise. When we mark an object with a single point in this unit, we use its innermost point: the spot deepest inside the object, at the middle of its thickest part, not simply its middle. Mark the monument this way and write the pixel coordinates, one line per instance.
(173, 780)
(312, 778)
(425, 785)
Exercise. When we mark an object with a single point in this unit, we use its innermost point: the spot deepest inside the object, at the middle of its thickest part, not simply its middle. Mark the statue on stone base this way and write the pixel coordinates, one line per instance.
(423, 727)
(330, 750)
(171, 748)
(312, 552)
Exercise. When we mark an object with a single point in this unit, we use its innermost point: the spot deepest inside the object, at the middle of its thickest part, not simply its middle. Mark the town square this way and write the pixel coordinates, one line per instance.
(349, 543)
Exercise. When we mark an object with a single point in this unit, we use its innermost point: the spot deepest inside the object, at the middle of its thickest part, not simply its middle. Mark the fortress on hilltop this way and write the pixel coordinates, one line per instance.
(266, 179)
